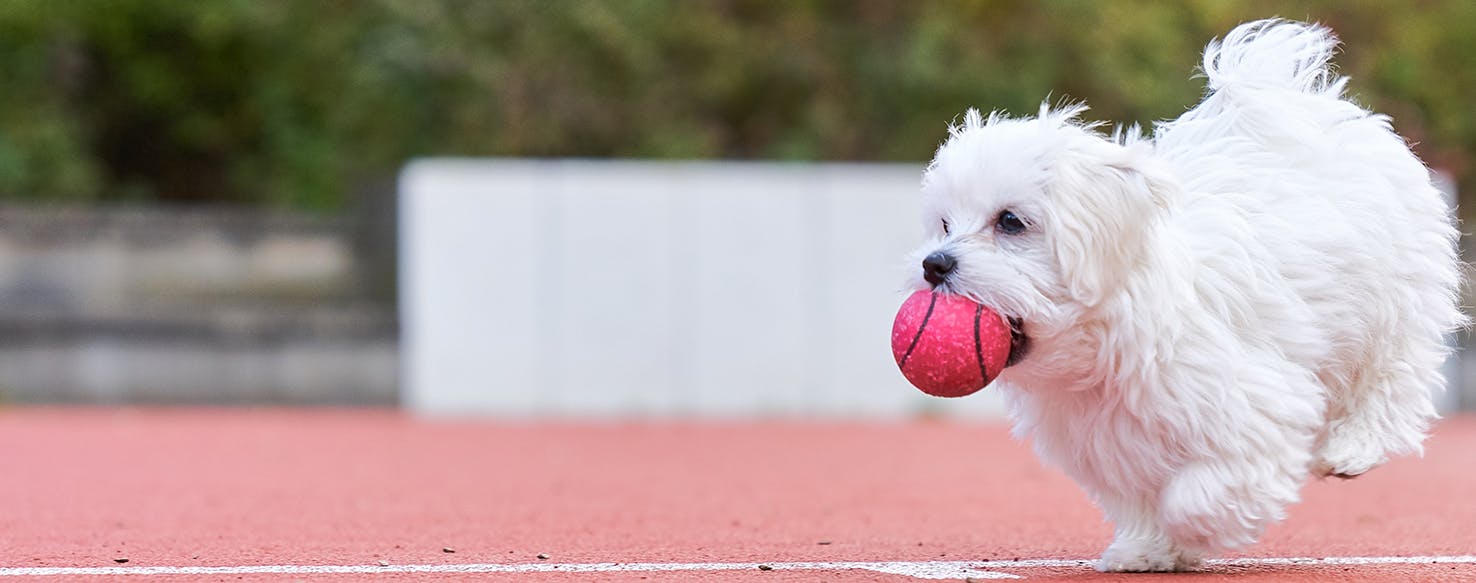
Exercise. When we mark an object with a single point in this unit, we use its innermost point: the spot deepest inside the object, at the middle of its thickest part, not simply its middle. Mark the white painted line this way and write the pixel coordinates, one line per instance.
(1247, 562)
(917, 569)
(920, 570)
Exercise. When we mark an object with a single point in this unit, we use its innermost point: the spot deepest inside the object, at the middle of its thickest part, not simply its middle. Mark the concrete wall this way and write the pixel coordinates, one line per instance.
(609, 288)
(556, 288)
(593, 288)
(158, 305)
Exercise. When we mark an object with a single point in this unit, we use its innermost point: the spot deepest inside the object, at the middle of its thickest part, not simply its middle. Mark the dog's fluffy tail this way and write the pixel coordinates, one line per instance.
(1274, 54)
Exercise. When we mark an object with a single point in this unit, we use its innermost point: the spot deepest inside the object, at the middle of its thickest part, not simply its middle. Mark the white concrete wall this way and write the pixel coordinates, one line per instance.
(574, 288)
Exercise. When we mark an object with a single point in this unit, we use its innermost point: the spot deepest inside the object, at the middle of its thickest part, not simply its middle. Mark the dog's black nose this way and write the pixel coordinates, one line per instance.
(937, 266)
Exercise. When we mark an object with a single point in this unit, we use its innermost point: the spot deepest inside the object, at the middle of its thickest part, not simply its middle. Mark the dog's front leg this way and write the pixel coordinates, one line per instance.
(1228, 503)
(1139, 543)
(1253, 466)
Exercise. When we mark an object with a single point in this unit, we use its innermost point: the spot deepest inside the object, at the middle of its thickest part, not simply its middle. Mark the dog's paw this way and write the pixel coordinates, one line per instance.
(1348, 454)
(1137, 556)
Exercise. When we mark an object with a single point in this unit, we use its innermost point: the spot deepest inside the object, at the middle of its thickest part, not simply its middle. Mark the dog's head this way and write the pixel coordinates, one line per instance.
(1043, 219)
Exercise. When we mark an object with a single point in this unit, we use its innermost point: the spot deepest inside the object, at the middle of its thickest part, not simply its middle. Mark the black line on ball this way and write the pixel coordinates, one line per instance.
(932, 299)
(978, 344)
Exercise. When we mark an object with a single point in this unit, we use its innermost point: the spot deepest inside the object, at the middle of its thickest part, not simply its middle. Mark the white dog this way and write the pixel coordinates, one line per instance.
(1258, 290)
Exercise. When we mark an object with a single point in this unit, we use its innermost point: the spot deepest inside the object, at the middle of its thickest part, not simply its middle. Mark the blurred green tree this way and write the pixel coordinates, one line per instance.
(283, 102)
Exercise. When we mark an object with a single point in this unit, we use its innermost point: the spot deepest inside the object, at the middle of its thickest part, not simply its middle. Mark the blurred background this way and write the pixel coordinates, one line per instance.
(555, 207)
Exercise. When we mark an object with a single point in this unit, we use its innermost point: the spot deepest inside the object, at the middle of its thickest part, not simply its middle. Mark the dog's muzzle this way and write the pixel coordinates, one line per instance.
(1019, 342)
(937, 266)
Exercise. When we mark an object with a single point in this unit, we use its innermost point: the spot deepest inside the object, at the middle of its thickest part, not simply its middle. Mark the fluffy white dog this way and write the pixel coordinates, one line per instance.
(1258, 290)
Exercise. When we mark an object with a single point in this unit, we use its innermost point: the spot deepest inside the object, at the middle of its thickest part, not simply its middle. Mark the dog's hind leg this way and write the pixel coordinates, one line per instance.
(1384, 404)
(1384, 413)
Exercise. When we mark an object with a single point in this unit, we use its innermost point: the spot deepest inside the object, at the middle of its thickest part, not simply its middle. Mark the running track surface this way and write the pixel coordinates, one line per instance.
(191, 488)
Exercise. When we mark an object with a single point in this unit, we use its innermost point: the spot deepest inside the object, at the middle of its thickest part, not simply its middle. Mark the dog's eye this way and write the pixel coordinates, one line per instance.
(1010, 224)
(945, 226)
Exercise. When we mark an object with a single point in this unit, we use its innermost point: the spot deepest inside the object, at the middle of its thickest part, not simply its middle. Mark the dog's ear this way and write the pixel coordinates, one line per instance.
(1109, 200)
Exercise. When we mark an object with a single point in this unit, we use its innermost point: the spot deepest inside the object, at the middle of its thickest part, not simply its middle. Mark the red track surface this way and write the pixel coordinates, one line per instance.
(191, 488)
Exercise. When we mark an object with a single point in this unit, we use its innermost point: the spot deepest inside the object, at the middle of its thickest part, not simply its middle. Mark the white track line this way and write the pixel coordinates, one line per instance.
(917, 569)
(920, 570)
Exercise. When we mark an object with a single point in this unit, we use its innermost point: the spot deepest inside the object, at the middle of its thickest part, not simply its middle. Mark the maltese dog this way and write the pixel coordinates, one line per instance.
(1202, 317)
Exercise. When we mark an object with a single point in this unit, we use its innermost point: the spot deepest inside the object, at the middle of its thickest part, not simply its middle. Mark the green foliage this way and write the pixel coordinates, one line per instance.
(291, 102)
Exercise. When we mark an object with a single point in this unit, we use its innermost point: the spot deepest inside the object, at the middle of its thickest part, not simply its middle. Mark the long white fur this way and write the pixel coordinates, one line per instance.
(1257, 291)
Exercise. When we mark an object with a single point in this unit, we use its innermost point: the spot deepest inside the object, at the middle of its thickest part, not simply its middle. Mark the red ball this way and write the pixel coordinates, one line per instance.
(948, 345)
